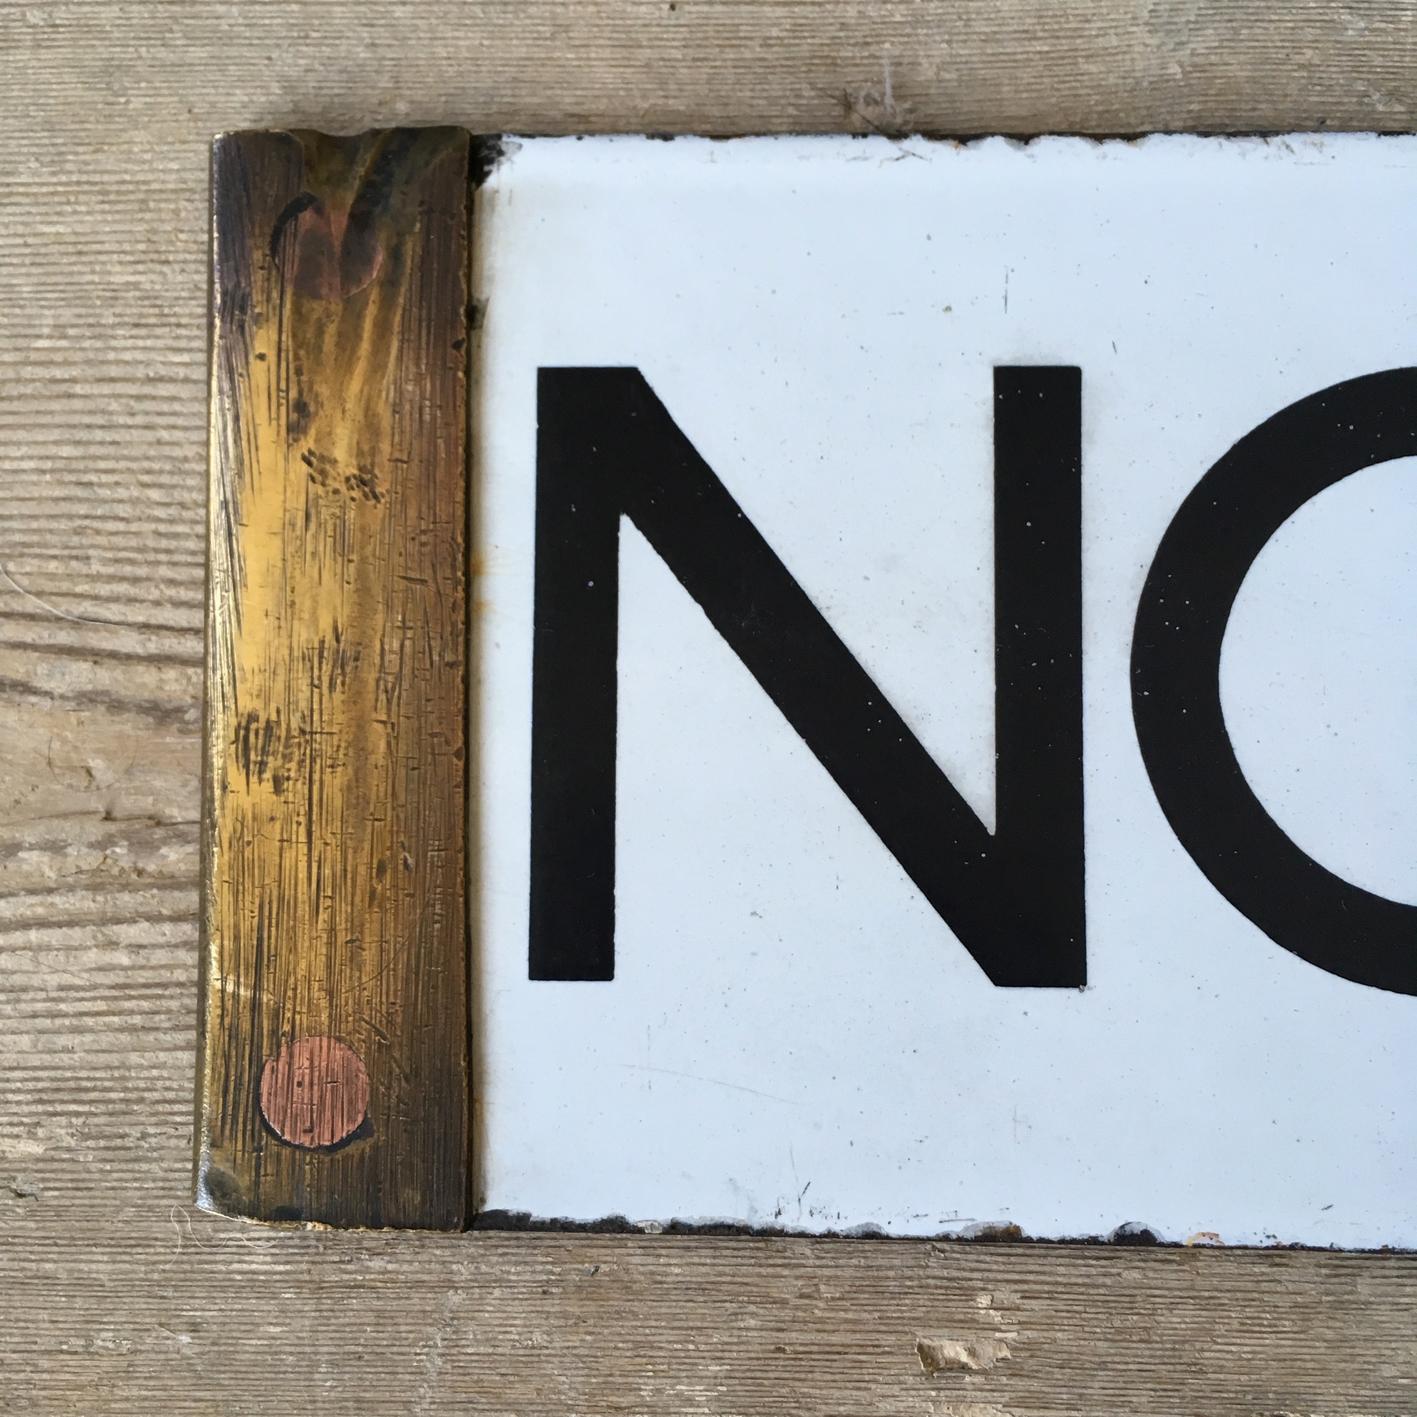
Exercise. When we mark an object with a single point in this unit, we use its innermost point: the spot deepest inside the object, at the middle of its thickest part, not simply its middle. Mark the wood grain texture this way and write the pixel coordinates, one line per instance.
(115, 1297)
(334, 918)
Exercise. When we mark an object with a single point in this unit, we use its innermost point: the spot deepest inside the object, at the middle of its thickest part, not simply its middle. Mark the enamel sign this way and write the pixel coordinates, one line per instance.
(945, 701)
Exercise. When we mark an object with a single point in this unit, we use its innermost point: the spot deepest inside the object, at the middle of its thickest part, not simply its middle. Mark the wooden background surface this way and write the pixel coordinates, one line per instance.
(115, 1297)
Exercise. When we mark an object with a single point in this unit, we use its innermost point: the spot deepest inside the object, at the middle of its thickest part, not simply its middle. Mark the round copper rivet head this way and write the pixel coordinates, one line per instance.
(314, 1092)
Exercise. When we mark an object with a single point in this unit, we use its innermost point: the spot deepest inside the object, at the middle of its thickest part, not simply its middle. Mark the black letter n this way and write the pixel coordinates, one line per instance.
(607, 448)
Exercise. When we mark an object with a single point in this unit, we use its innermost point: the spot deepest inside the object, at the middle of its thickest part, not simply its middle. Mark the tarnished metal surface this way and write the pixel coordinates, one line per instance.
(334, 910)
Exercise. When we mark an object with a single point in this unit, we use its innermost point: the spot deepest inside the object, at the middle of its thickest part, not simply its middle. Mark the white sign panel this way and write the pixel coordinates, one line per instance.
(947, 703)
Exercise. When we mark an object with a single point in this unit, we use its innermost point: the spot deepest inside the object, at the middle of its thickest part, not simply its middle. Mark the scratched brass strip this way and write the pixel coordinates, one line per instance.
(333, 1071)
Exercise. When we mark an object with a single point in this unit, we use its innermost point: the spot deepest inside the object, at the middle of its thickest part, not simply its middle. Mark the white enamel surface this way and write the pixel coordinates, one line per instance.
(1319, 678)
(793, 1036)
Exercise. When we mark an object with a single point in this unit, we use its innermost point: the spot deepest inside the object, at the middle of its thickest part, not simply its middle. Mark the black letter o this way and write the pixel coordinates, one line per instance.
(1185, 605)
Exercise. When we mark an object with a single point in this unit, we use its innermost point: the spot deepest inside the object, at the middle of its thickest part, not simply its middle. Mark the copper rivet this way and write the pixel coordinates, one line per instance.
(314, 1092)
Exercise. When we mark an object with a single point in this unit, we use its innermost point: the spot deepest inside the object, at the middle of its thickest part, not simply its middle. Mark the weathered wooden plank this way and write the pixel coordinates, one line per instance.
(334, 1043)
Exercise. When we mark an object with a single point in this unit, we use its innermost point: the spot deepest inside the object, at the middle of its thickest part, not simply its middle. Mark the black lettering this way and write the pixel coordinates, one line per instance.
(1185, 606)
(607, 448)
